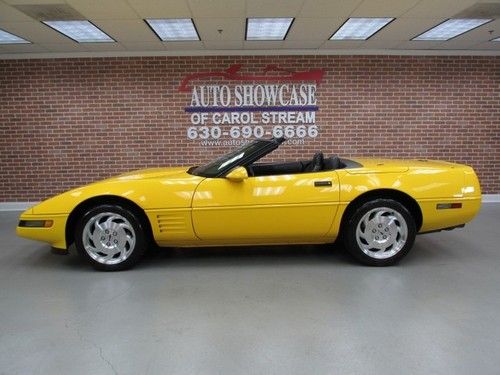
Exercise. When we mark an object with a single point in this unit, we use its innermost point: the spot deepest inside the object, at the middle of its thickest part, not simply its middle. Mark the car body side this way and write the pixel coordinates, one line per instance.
(186, 210)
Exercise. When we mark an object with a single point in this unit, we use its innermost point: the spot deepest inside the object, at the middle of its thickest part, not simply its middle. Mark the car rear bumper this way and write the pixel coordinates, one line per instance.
(436, 218)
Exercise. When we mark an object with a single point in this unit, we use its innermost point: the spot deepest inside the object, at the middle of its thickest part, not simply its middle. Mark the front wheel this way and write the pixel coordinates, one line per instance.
(110, 238)
(380, 232)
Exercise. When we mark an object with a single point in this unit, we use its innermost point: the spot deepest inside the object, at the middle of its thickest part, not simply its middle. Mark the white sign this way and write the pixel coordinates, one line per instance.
(243, 111)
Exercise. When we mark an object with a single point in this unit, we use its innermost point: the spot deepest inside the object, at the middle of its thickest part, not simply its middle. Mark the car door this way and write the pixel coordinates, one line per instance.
(267, 209)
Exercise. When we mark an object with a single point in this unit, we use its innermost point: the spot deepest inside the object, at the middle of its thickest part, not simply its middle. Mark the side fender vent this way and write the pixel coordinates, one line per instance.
(171, 224)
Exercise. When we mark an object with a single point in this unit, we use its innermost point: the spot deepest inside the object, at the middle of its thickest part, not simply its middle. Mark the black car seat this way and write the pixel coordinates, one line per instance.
(317, 163)
(332, 163)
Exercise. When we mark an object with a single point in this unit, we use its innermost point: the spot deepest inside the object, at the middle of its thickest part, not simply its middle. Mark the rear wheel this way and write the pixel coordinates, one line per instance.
(380, 232)
(110, 238)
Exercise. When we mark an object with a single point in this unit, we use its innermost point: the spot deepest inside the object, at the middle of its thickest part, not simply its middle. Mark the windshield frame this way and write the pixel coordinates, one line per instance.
(223, 164)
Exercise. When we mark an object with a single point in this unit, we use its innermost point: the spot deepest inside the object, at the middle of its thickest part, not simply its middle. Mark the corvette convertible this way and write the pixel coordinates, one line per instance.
(374, 206)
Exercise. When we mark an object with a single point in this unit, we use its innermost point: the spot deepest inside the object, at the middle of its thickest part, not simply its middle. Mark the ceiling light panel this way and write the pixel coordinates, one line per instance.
(267, 28)
(174, 29)
(496, 39)
(452, 28)
(81, 31)
(8, 38)
(360, 28)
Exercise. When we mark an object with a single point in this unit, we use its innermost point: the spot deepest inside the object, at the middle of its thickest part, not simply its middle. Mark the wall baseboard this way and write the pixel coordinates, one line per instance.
(16, 206)
(491, 198)
(21, 206)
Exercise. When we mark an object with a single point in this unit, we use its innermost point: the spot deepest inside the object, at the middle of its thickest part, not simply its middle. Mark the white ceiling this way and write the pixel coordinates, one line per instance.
(315, 21)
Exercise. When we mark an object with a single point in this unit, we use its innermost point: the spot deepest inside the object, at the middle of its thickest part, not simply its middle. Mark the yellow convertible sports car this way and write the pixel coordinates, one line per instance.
(375, 206)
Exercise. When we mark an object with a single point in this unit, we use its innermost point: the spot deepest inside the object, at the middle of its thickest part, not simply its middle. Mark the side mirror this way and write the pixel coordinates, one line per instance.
(238, 174)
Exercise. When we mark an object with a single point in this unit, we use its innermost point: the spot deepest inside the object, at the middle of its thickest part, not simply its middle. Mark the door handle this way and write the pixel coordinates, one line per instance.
(322, 183)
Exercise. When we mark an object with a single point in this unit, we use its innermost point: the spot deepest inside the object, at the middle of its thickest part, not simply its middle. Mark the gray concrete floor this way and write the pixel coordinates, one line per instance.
(289, 310)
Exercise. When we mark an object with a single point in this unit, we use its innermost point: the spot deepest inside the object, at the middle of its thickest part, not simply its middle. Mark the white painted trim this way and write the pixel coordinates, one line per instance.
(16, 206)
(21, 206)
(491, 198)
(250, 52)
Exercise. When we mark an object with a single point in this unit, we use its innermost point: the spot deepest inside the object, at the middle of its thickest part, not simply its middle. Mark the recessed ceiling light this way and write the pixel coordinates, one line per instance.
(174, 29)
(360, 28)
(451, 28)
(8, 38)
(267, 28)
(81, 31)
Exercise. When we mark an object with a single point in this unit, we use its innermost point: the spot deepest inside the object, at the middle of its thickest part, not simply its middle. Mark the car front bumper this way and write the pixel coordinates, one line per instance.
(36, 227)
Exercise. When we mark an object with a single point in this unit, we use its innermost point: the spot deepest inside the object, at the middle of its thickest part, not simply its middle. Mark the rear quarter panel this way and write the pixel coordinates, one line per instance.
(427, 184)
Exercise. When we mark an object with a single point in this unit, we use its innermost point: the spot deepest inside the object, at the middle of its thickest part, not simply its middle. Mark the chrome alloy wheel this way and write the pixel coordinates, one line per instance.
(381, 233)
(108, 238)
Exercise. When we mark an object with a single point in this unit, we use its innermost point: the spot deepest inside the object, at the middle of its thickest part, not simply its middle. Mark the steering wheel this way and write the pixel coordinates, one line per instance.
(318, 162)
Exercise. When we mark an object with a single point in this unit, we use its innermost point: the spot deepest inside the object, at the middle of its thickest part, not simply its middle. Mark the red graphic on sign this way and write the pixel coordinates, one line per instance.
(232, 74)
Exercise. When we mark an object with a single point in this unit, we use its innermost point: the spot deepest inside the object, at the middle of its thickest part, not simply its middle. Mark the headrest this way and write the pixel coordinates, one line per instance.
(331, 163)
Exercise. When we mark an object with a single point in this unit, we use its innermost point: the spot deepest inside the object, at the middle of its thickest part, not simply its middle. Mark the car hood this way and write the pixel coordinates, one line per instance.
(149, 173)
(140, 186)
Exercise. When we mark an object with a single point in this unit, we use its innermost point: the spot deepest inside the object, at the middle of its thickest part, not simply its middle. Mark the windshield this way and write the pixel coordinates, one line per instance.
(217, 167)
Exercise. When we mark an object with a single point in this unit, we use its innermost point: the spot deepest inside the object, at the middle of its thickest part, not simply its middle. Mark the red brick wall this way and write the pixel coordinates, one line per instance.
(67, 122)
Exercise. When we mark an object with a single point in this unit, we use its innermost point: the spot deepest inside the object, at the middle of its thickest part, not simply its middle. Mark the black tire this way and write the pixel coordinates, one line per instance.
(135, 249)
(362, 253)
